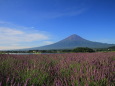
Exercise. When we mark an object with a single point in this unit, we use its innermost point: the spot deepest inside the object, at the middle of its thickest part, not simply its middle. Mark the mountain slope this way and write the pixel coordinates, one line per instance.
(73, 41)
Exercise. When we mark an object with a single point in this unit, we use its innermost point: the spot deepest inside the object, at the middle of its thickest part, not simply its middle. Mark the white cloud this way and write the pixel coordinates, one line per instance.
(11, 38)
(9, 34)
(108, 40)
(9, 31)
(57, 14)
(12, 47)
(34, 37)
(48, 42)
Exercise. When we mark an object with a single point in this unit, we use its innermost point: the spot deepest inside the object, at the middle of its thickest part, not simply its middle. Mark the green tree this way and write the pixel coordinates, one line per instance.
(83, 49)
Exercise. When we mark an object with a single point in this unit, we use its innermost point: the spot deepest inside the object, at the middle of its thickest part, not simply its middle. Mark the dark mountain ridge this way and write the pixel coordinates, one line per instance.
(72, 42)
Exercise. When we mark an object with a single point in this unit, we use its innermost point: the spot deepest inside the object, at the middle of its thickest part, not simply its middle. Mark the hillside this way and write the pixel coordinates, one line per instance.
(73, 41)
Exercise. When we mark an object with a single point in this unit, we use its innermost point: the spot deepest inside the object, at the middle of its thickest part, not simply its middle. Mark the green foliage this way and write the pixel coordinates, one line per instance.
(65, 72)
(1, 52)
(102, 82)
(35, 77)
(75, 65)
(76, 83)
(93, 83)
(83, 49)
(6, 65)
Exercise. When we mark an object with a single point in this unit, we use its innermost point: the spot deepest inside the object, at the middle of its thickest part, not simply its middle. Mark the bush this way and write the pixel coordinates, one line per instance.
(83, 49)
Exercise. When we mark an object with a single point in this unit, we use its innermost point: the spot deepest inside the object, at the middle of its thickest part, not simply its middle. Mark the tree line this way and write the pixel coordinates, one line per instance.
(75, 50)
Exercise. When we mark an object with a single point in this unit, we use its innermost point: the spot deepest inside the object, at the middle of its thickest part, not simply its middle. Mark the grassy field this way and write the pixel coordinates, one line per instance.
(74, 69)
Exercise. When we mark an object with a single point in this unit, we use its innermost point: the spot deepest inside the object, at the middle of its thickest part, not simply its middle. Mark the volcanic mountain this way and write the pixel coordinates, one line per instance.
(72, 42)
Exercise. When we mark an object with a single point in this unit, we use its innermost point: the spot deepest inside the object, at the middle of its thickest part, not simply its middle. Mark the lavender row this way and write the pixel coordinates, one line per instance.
(73, 69)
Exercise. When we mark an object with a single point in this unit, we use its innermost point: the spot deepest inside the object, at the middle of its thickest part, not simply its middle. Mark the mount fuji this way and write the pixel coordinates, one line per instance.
(72, 42)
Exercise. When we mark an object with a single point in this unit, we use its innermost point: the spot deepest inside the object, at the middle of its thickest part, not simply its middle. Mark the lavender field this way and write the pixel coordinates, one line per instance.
(74, 69)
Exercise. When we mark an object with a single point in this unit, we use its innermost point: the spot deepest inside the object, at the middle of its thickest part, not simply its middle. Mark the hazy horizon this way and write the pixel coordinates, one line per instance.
(34, 23)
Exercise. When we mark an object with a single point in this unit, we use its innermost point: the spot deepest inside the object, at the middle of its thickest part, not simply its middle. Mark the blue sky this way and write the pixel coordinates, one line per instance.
(33, 23)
